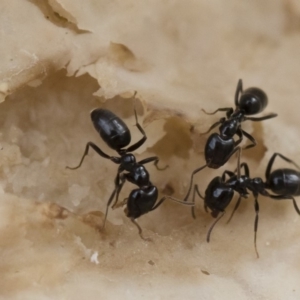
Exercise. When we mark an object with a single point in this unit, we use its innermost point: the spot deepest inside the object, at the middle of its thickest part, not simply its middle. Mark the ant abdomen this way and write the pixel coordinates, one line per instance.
(141, 201)
(111, 128)
(284, 181)
(253, 101)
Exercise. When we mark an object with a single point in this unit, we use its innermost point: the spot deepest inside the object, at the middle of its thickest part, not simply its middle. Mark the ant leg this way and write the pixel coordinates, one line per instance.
(238, 163)
(235, 208)
(96, 149)
(246, 169)
(196, 190)
(228, 110)
(239, 133)
(140, 230)
(191, 181)
(226, 172)
(119, 188)
(173, 199)
(239, 89)
(270, 116)
(205, 208)
(213, 126)
(122, 203)
(284, 197)
(271, 161)
(256, 207)
(212, 226)
(155, 159)
(107, 207)
(251, 138)
(237, 149)
(296, 206)
(139, 143)
(159, 203)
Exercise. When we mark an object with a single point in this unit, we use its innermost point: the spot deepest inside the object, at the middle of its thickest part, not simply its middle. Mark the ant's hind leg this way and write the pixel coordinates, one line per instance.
(96, 149)
(283, 197)
(213, 126)
(271, 162)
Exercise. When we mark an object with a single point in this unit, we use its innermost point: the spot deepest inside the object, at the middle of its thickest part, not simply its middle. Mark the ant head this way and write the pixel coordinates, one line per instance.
(253, 101)
(218, 196)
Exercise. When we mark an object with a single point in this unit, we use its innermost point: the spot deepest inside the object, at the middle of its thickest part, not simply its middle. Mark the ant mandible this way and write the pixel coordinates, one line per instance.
(117, 136)
(219, 193)
(220, 147)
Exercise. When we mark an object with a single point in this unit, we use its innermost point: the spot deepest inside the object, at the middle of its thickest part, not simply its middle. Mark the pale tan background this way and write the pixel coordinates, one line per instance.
(60, 59)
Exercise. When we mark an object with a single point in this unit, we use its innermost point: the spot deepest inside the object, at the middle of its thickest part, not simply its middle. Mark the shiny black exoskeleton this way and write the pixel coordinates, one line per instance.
(117, 136)
(220, 147)
(219, 193)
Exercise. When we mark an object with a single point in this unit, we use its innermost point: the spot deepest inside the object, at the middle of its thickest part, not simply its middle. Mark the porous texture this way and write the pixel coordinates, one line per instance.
(59, 59)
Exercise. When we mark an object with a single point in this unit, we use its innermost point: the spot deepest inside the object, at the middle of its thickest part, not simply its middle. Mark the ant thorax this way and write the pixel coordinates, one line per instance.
(258, 184)
(230, 126)
(127, 162)
(139, 176)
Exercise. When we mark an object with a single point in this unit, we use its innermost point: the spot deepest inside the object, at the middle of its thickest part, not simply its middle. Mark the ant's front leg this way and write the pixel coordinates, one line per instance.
(155, 159)
(249, 137)
(270, 116)
(213, 126)
(229, 111)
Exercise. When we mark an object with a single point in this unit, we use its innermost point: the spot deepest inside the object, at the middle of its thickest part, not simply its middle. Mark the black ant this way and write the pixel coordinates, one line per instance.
(219, 193)
(220, 147)
(117, 136)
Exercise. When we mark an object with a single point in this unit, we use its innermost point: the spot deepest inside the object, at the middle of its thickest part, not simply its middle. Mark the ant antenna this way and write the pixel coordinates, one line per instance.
(140, 230)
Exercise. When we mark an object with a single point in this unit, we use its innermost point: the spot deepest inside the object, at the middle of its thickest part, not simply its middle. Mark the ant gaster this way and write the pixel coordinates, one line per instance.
(219, 193)
(220, 147)
(117, 136)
